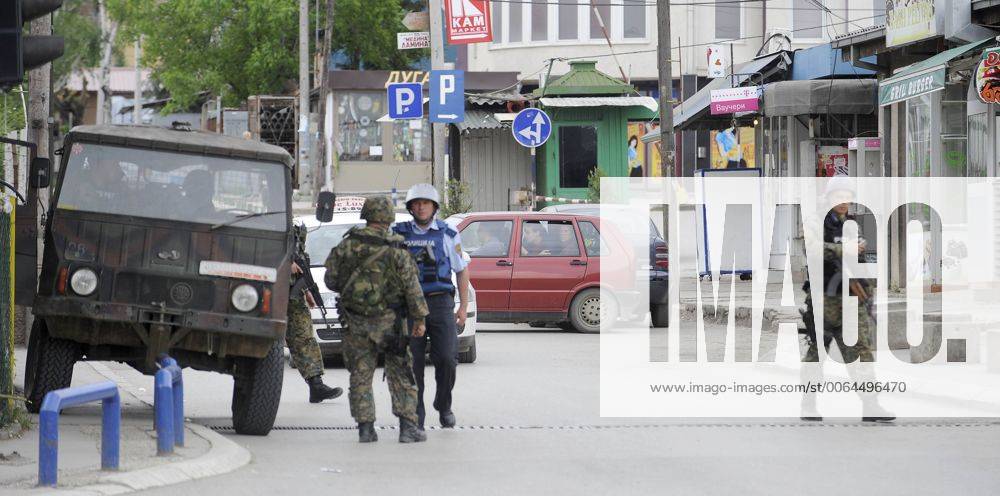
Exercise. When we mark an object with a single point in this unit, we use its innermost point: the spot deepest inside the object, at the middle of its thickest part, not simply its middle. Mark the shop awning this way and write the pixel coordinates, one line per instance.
(480, 119)
(602, 101)
(826, 96)
(926, 76)
(697, 105)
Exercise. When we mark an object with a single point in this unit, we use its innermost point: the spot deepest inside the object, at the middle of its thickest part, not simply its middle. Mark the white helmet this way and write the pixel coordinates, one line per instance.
(423, 191)
(840, 183)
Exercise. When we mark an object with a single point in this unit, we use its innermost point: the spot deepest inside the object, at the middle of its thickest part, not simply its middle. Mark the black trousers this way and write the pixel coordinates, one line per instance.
(443, 337)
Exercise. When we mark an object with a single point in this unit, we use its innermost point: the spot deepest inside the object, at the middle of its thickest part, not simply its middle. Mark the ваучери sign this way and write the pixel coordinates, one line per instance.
(735, 100)
(468, 21)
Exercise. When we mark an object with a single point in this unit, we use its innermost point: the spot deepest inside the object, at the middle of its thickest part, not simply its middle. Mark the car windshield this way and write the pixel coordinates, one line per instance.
(175, 186)
(322, 239)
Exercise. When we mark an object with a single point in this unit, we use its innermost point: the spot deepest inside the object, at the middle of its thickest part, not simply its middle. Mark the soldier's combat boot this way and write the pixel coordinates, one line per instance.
(447, 419)
(409, 433)
(872, 411)
(319, 392)
(366, 432)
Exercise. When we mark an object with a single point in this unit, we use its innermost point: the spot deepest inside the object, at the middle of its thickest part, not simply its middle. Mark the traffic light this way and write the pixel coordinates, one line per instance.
(19, 51)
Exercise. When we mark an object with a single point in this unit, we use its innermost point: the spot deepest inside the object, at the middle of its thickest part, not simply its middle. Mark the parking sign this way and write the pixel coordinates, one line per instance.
(405, 100)
(447, 94)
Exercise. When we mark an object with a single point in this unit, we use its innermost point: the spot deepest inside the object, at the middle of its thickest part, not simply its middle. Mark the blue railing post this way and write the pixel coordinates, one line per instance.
(168, 400)
(48, 436)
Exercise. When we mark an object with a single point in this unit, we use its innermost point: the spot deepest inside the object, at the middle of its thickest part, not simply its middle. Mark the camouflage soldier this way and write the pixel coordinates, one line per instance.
(840, 192)
(302, 346)
(378, 286)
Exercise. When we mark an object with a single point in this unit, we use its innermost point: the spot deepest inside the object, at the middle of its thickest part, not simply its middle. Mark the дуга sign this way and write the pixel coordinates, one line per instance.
(733, 100)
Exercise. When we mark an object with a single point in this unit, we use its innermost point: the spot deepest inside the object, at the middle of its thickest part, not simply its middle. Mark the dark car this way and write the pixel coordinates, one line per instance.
(658, 269)
(169, 241)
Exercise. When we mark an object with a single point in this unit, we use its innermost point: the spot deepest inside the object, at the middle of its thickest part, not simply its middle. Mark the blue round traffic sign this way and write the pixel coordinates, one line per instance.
(531, 127)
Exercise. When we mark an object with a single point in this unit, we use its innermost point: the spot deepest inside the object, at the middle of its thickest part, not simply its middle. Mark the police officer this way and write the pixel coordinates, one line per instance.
(302, 345)
(437, 249)
(861, 355)
(377, 282)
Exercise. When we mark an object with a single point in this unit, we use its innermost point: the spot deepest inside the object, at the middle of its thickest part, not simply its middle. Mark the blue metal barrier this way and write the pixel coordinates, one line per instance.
(48, 419)
(168, 402)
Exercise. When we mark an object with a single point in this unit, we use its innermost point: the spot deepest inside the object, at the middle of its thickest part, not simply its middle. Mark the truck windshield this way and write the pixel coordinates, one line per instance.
(174, 186)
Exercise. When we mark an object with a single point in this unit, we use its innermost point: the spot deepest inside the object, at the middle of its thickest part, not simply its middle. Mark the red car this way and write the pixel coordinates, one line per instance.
(544, 267)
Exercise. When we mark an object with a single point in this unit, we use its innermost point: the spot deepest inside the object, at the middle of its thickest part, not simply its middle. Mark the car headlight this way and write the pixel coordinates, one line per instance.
(83, 282)
(245, 297)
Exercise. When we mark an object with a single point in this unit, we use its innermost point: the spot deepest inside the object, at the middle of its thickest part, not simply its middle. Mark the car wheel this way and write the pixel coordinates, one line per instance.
(589, 308)
(257, 392)
(49, 365)
(660, 315)
(470, 355)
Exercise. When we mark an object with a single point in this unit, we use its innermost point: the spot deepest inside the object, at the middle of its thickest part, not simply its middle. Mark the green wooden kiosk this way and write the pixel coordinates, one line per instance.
(590, 112)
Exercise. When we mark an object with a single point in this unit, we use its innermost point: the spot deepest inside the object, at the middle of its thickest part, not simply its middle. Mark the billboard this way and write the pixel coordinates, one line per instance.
(468, 21)
(907, 21)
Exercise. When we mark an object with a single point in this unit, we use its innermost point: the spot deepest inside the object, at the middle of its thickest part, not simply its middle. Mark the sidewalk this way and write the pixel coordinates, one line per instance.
(205, 453)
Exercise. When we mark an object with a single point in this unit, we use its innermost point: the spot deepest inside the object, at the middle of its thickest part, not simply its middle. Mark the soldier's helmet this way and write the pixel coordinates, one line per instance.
(378, 209)
(423, 191)
(840, 185)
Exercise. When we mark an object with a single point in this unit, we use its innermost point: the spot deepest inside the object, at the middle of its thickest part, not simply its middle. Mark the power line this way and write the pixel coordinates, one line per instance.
(745, 4)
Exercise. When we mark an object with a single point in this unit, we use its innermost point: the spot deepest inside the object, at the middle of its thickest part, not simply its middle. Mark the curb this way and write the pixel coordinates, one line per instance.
(225, 456)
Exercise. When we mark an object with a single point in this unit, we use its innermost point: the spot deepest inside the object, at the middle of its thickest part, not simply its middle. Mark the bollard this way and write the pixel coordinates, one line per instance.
(48, 420)
(168, 403)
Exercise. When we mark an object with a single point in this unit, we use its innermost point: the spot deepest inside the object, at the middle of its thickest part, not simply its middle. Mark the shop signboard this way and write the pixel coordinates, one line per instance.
(910, 21)
(468, 21)
(988, 76)
(718, 61)
(735, 100)
(409, 41)
(896, 90)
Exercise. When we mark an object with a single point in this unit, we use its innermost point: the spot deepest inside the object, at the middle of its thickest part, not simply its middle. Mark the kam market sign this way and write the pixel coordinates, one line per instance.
(896, 90)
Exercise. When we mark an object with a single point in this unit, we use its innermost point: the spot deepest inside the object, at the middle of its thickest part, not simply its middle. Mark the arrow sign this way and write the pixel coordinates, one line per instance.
(531, 127)
(447, 92)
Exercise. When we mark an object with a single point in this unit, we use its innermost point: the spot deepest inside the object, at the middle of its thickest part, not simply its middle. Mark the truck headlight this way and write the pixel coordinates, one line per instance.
(83, 282)
(245, 297)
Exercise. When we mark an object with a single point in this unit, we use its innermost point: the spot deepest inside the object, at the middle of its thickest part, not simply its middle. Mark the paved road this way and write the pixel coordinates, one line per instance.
(529, 424)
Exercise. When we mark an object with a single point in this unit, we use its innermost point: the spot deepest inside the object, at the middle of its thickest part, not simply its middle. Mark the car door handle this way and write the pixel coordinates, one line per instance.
(504, 263)
(578, 262)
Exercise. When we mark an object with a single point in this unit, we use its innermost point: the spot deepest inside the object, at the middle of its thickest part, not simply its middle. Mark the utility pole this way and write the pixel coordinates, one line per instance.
(137, 95)
(439, 176)
(304, 170)
(328, 135)
(666, 89)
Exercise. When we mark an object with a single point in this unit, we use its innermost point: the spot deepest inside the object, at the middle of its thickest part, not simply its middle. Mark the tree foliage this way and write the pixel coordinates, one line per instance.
(75, 22)
(365, 32)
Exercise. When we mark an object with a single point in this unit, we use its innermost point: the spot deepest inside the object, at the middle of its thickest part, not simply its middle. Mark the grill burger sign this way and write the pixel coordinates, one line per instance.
(468, 21)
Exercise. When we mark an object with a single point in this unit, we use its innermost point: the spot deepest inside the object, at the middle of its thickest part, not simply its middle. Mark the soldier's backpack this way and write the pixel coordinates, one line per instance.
(364, 291)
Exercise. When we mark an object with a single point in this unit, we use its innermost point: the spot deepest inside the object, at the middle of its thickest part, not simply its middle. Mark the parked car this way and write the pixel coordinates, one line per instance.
(321, 238)
(659, 264)
(543, 267)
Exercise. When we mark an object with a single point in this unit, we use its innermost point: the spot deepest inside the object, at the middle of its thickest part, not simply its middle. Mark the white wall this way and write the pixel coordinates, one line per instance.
(692, 26)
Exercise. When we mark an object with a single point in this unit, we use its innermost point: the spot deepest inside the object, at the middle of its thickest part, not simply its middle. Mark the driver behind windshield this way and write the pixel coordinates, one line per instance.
(103, 184)
(199, 189)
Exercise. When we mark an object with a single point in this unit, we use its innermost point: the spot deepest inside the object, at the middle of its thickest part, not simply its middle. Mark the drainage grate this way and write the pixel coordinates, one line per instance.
(687, 425)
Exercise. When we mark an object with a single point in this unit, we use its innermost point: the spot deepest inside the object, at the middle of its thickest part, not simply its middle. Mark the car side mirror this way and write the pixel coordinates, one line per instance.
(40, 169)
(324, 206)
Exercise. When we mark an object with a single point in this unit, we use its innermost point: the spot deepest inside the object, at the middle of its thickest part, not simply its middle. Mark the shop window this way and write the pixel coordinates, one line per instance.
(596, 33)
(634, 19)
(577, 155)
(727, 20)
(878, 10)
(569, 13)
(497, 22)
(360, 134)
(918, 135)
(807, 20)
(411, 141)
(539, 21)
(953, 131)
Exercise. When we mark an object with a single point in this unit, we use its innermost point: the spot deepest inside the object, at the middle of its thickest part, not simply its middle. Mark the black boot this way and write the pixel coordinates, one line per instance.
(409, 433)
(366, 432)
(319, 391)
(872, 411)
(447, 419)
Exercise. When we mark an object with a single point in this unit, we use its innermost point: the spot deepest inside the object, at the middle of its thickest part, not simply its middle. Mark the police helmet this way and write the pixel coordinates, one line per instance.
(378, 209)
(423, 191)
(839, 183)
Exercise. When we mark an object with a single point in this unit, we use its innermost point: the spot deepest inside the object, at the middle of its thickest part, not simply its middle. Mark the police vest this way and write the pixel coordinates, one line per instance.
(429, 252)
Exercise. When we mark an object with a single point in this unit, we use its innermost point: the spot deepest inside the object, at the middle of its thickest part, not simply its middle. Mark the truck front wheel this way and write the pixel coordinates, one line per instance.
(257, 392)
(48, 366)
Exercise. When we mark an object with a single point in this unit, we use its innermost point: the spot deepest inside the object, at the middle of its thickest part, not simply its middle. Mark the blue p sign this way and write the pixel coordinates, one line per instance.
(405, 101)
(447, 92)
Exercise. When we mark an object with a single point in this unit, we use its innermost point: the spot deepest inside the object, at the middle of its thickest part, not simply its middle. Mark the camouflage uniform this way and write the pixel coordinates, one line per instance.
(389, 282)
(302, 345)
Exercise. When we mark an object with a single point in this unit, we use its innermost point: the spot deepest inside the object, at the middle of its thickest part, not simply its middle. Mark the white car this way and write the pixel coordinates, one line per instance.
(321, 238)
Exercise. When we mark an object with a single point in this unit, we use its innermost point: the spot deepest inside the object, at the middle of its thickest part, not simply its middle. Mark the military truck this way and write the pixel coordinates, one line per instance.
(166, 240)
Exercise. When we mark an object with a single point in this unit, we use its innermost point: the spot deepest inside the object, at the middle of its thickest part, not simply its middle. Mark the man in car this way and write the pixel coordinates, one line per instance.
(492, 236)
(103, 184)
(199, 189)
(437, 249)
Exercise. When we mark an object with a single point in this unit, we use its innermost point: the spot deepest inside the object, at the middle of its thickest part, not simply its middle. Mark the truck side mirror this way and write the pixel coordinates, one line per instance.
(324, 206)
(40, 169)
